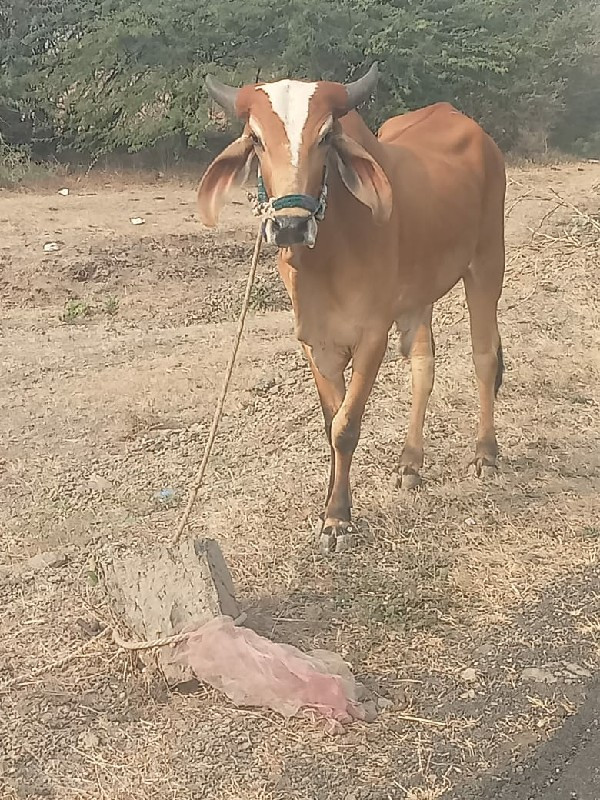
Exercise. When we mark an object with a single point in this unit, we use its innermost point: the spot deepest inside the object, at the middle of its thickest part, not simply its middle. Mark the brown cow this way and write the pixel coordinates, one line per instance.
(408, 214)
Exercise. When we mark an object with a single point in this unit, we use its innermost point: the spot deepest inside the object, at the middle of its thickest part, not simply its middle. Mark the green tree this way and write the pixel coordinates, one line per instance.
(103, 75)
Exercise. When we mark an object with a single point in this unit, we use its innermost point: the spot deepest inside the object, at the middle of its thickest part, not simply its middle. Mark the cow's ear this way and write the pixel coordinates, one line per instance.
(230, 168)
(363, 177)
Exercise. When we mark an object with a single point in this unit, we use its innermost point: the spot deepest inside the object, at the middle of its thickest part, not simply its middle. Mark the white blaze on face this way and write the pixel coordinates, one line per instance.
(290, 101)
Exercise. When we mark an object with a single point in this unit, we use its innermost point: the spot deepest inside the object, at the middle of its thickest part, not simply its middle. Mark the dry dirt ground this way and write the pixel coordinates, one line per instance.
(112, 348)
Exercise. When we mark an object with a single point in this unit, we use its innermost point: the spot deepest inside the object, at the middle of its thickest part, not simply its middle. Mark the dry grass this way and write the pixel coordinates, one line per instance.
(495, 576)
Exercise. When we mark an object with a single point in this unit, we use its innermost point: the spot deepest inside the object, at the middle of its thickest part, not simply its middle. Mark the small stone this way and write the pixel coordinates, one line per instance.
(384, 702)
(576, 669)
(98, 483)
(370, 711)
(538, 675)
(399, 696)
(166, 494)
(49, 560)
(89, 740)
(525, 739)
(6, 575)
(63, 192)
(90, 627)
(469, 674)
(137, 221)
(51, 247)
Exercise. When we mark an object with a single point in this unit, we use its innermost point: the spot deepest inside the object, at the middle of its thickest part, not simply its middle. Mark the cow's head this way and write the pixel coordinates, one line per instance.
(292, 128)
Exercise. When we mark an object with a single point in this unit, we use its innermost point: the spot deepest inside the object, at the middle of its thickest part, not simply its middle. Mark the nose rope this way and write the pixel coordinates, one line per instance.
(265, 206)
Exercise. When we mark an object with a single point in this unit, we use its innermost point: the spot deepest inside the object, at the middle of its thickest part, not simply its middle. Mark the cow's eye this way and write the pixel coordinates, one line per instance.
(326, 138)
(256, 140)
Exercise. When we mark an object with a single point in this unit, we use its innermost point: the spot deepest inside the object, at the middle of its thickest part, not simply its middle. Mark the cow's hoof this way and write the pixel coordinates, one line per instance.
(484, 467)
(408, 478)
(336, 537)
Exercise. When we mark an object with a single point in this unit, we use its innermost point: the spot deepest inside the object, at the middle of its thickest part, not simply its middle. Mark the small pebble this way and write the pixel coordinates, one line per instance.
(576, 669)
(49, 560)
(538, 675)
(89, 740)
(469, 674)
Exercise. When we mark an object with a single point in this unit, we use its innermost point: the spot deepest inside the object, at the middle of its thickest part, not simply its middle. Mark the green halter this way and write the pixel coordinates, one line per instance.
(315, 206)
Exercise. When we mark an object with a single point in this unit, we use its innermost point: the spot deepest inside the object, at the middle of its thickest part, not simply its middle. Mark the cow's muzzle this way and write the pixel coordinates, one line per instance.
(284, 231)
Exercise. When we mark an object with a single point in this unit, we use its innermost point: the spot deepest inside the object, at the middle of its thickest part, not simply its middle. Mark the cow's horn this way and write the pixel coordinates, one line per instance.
(359, 91)
(224, 95)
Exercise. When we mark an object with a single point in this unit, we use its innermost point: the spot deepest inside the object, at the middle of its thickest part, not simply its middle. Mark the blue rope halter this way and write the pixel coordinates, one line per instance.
(315, 206)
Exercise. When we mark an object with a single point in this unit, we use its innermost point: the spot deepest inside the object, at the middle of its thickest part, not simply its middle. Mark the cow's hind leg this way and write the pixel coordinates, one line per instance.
(483, 284)
(421, 347)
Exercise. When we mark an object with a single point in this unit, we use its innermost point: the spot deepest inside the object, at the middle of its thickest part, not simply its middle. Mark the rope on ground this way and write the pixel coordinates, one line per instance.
(152, 644)
(197, 482)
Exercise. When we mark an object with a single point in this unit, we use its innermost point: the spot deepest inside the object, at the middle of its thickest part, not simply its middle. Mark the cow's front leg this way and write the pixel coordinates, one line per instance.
(331, 391)
(336, 534)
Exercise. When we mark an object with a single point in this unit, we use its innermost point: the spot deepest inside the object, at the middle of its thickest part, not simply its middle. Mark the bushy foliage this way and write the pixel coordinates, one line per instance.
(102, 75)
